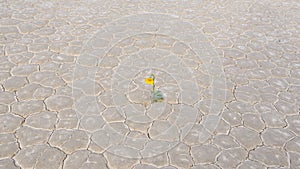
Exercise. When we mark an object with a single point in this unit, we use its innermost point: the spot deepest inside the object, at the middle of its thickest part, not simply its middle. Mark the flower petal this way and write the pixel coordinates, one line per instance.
(149, 81)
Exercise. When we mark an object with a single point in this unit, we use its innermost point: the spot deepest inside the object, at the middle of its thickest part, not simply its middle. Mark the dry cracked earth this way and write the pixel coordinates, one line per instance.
(72, 91)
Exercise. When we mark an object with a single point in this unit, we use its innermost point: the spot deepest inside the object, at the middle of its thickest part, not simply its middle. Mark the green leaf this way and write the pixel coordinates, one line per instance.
(157, 96)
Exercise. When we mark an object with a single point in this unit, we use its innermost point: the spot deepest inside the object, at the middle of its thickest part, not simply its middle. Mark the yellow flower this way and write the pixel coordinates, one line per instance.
(149, 80)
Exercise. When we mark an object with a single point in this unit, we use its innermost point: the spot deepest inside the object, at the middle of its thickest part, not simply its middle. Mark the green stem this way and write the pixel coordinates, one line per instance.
(153, 86)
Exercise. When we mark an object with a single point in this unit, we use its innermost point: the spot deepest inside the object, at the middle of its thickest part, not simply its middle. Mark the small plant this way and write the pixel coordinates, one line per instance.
(156, 95)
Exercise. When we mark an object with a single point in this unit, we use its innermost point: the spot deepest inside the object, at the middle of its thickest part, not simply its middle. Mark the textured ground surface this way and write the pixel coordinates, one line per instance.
(72, 93)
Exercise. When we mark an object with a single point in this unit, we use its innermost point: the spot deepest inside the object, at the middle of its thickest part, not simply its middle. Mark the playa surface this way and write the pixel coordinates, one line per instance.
(72, 90)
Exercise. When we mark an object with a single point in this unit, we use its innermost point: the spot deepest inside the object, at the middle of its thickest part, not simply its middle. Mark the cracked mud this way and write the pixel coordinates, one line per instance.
(72, 92)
